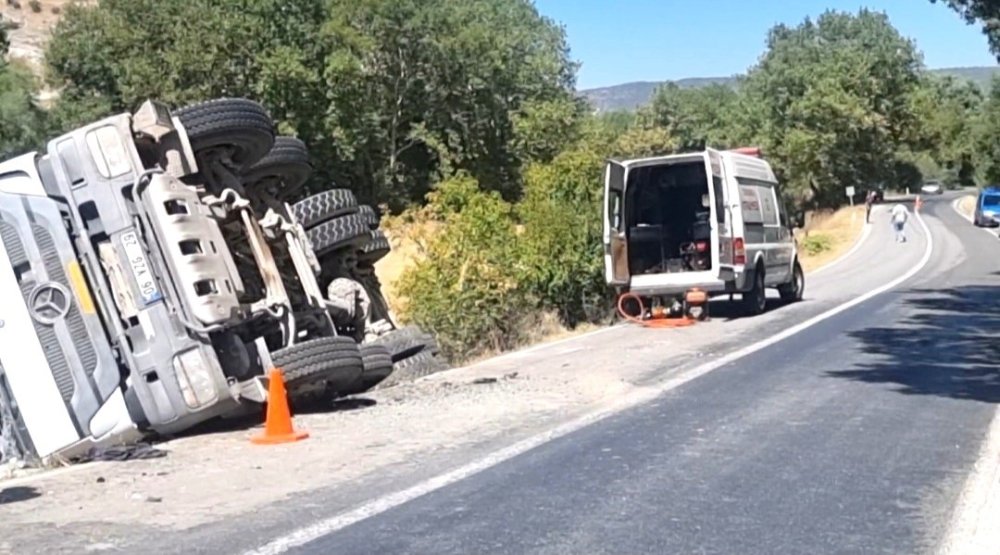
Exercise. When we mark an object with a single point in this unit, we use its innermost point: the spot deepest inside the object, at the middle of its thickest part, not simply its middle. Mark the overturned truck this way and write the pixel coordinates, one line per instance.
(153, 269)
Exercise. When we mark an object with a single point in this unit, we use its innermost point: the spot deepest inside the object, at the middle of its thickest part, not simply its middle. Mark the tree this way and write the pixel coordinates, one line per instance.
(985, 11)
(948, 112)
(830, 102)
(22, 123)
(988, 136)
(389, 95)
(696, 117)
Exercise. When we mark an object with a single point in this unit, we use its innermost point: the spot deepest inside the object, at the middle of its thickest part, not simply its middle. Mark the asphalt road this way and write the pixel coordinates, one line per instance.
(854, 435)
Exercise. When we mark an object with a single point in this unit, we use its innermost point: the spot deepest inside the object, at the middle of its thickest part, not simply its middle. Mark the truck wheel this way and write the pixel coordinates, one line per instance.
(370, 215)
(378, 366)
(335, 360)
(284, 169)
(755, 300)
(411, 368)
(338, 233)
(324, 206)
(233, 130)
(403, 342)
(792, 291)
(375, 249)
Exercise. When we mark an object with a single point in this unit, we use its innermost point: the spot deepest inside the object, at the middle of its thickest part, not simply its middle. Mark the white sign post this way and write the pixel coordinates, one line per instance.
(850, 194)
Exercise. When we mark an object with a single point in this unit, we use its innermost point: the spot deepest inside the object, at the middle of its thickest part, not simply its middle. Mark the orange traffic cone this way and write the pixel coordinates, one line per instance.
(278, 425)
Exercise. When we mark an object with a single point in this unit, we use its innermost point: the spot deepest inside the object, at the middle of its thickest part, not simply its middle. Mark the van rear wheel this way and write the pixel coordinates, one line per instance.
(792, 291)
(754, 301)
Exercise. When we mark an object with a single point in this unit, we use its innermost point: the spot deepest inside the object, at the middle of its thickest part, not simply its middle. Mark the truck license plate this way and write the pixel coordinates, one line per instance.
(141, 271)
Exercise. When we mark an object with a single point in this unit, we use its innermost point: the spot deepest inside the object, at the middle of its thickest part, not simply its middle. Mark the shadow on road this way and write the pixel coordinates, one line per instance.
(18, 493)
(946, 348)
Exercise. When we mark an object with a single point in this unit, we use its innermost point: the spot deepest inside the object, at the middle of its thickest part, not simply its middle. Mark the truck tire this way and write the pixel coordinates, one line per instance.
(370, 215)
(411, 368)
(286, 166)
(335, 360)
(338, 233)
(233, 129)
(792, 291)
(754, 300)
(403, 342)
(375, 248)
(378, 366)
(314, 210)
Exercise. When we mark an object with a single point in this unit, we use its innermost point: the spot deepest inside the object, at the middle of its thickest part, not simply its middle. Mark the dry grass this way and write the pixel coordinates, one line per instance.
(841, 228)
(967, 206)
(408, 242)
(546, 329)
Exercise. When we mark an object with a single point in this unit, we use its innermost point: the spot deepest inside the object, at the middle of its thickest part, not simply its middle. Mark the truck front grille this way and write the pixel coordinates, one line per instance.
(74, 320)
(28, 279)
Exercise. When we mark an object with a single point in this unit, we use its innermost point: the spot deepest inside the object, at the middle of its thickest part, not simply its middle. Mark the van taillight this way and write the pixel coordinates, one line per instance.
(739, 251)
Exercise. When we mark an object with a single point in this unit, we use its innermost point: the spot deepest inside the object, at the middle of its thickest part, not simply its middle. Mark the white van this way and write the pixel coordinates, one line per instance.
(711, 220)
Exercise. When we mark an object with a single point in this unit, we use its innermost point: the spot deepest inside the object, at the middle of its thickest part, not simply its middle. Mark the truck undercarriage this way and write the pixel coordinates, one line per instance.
(163, 272)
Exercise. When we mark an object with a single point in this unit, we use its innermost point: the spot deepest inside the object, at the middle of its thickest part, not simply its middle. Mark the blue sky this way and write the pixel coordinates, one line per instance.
(618, 41)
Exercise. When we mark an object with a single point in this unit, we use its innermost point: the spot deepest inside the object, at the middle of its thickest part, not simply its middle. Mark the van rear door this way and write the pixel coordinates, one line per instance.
(615, 243)
(722, 216)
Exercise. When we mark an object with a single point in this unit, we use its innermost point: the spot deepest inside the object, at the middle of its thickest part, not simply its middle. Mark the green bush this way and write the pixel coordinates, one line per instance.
(467, 289)
(563, 256)
(817, 244)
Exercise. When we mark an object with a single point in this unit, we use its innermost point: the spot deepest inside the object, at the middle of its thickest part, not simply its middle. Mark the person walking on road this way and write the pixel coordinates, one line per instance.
(898, 216)
(869, 201)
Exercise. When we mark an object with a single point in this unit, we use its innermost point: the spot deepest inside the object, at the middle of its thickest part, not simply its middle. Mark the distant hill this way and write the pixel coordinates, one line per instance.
(629, 96)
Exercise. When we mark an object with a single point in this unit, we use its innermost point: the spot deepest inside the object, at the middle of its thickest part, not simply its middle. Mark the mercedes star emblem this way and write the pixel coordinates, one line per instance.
(49, 302)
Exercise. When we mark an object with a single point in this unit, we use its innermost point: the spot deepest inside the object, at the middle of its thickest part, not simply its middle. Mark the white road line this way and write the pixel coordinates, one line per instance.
(380, 505)
(975, 524)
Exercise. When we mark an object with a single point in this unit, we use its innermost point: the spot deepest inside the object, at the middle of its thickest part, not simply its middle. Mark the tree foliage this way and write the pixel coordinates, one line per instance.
(695, 117)
(22, 123)
(830, 102)
(389, 95)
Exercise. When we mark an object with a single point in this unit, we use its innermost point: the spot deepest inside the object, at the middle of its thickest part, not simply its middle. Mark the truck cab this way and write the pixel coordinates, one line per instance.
(711, 220)
(151, 279)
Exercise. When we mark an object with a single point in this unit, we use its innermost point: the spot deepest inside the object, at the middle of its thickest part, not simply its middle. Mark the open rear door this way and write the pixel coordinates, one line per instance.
(722, 216)
(615, 242)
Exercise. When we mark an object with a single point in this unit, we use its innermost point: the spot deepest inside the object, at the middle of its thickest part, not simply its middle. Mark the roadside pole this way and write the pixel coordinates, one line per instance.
(850, 199)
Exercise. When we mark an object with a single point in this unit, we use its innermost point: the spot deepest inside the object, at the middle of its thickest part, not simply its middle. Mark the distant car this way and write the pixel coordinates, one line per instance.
(988, 208)
(932, 188)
